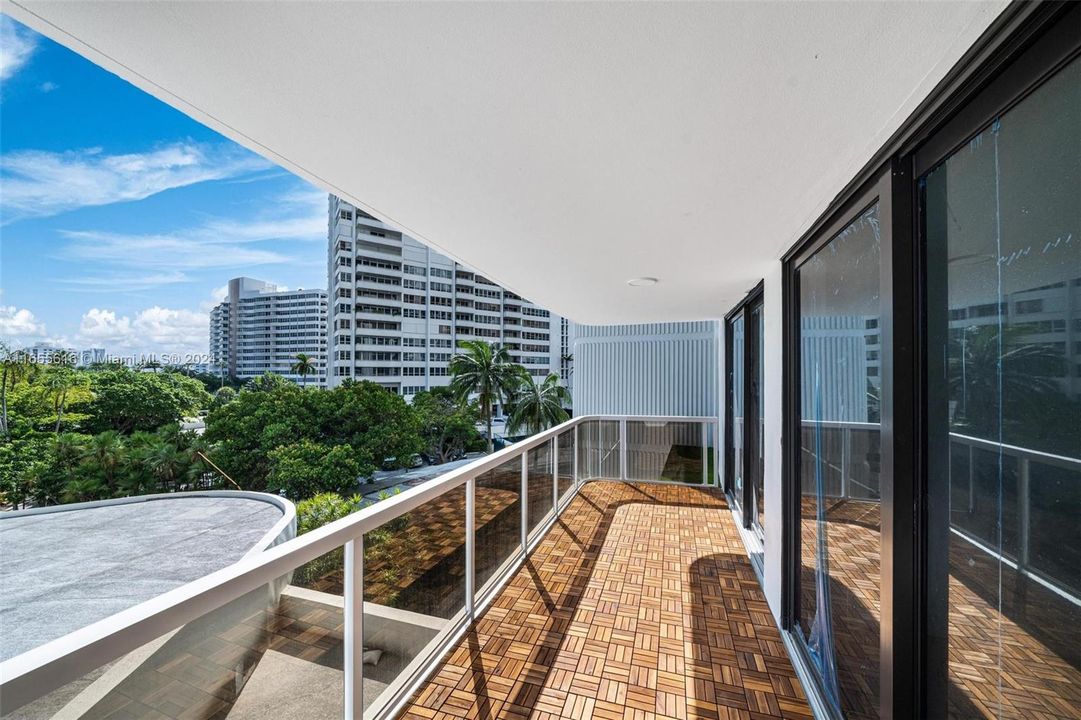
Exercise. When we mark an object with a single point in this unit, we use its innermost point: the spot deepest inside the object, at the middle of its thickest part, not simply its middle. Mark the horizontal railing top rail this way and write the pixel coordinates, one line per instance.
(38, 671)
(1018, 451)
(982, 443)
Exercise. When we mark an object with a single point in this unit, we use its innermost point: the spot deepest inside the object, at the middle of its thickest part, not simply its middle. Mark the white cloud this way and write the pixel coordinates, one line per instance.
(19, 323)
(125, 282)
(38, 183)
(300, 215)
(217, 296)
(48, 86)
(103, 327)
(155, 330)
(17, 44)
(175, 252)
(216, 243)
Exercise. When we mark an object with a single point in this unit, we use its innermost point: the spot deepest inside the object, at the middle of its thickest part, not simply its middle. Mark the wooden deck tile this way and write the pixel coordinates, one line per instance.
(639, 604)
(1014, 647)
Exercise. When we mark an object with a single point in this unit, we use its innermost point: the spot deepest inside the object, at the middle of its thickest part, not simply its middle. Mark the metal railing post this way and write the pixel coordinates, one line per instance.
(525, 501)
(844, 461)
(354, 629)
(555, 474)
(716, 479)
(705, 453)
(470, 540)
(1024, 477)
(577, 449)
(623, 448)
(971, 479)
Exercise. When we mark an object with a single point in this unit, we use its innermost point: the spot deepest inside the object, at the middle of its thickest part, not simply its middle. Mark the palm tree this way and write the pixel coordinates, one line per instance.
(304, 366)
(64, 385)
(989, 365)
(51, 477)
(164, 462)
(107, 451)
(13, 368)
(485, 370)
(537, 406)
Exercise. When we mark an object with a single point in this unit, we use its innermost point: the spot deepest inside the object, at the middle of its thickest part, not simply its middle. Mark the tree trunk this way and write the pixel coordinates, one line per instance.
(488, 420)
(441, 450)
(60, 410)
(4, 403)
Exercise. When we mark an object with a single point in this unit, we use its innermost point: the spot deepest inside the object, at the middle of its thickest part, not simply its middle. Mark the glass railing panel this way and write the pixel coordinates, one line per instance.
(598, 449)
(325, 574)
(1054, 498)
(565, 464)
(414, 585)
(984, 484)
(829, 438)
(711, 454)
(497, 518)
(541, 490)
(661, 450)
(274, 652)
(863, 462)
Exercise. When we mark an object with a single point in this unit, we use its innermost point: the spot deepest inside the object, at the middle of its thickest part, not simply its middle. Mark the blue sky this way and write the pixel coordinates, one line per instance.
(122, 219)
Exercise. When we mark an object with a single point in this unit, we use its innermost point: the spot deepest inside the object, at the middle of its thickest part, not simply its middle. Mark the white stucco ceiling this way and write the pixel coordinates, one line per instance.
(559, 148)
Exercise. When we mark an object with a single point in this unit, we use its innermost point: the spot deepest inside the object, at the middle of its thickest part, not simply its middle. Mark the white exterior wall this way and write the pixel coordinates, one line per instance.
(260, 329)
(653, 369)
(46, 353)
(772, 403)
(399, 308)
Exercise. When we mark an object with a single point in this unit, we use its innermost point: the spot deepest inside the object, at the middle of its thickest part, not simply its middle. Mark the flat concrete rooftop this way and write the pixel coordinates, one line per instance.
(60, 571)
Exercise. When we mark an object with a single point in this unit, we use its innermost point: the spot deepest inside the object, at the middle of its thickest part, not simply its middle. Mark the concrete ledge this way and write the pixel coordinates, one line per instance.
(401, 632)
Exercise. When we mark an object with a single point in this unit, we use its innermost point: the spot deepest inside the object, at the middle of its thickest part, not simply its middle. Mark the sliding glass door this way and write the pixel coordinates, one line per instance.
(755, 442)
(932, 403)
(1001, 221)
(745, 449)
(734, 408)
(837, 387)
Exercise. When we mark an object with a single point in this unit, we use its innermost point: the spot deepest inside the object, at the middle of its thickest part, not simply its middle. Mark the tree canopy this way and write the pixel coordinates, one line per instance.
(72, 434)
(448, 427)
(129, 401)
(376, 423)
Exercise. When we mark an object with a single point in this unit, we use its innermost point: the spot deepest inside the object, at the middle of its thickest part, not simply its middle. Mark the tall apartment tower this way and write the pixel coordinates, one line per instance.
(261, 328)
(399, 308)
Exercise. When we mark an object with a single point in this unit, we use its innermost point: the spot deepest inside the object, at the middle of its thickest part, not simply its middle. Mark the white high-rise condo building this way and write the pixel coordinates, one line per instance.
(261, 328)
(398, 309)
(43, 353)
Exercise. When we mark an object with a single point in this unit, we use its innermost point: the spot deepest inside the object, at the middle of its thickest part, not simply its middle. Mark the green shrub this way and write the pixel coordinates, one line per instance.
(306, 468)
(314, 513)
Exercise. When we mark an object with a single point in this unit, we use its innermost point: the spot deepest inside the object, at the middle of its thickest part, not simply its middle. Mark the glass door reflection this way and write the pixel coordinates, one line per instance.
(839, 401)
(734, 466)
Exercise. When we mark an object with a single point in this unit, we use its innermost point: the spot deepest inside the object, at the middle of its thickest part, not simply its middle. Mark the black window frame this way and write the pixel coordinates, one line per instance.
(1023, 47)
(755, 296)
(881, 190)
(1033, 58)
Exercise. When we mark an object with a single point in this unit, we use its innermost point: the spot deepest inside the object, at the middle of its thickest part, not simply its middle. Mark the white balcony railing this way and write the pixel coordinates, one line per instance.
(522, 490)
(1003, 498)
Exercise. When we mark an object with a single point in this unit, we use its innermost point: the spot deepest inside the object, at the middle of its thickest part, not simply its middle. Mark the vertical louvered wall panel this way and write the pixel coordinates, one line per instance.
(654, 369)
